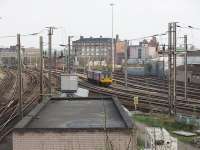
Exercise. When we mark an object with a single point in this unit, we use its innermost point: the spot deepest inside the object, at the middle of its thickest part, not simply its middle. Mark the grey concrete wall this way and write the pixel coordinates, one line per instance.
(139, 71)
(195, 79)
(180, 76)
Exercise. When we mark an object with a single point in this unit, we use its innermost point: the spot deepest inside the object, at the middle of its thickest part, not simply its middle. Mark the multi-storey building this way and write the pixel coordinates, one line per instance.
(120, 47)
(144, 52)
(8, 56)
(143, 59)
(31, 56)
(93, 49)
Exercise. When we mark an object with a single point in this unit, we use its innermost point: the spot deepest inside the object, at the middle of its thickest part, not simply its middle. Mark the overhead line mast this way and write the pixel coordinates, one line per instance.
(50, 33)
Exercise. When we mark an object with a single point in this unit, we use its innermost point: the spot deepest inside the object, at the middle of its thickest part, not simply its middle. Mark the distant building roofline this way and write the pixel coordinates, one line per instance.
(82, 39)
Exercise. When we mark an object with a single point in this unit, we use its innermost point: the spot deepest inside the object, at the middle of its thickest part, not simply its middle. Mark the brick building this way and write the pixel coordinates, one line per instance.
(93, 49)
(193, 73)
(143, 59)
(31, 56)
(119, 51)
(75, 124)
(145, 51)
(8, 56)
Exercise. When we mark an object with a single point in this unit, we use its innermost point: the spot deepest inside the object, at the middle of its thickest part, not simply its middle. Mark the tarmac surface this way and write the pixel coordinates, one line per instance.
(78, 114)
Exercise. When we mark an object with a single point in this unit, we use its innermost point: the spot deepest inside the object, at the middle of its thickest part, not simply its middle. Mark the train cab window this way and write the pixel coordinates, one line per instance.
(108, 74)
(102, 76)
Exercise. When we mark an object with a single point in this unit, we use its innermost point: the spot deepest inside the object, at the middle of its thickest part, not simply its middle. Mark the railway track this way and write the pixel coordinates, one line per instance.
(152, 95)
(157, 81)
(9, 112)
(163, 93)
(149, 97)
(146, 102)
(8, 81)
(147, 84)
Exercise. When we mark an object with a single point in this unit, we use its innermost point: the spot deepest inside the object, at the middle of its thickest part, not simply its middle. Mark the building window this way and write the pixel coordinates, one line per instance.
(139, 53)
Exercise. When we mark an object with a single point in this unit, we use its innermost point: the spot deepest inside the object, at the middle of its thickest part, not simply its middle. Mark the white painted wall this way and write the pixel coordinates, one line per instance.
(72, 140)
(147, 52)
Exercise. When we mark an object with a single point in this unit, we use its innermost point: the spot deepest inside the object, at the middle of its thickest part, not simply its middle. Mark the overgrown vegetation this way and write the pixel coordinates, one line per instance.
(140, 144)
(169, 123)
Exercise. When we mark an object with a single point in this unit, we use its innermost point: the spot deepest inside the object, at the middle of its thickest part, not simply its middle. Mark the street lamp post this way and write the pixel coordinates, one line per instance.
(69, 53)
(65, 54)
(113, 53)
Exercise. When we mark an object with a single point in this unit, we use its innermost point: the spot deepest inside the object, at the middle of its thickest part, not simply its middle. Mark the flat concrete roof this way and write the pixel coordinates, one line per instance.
(77, 113)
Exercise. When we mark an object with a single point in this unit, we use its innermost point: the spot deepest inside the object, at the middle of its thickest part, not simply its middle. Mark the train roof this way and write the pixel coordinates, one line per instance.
(98, 71)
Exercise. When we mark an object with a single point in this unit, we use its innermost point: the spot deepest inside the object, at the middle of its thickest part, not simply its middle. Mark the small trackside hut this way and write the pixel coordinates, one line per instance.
(74, 123)
(68, 83)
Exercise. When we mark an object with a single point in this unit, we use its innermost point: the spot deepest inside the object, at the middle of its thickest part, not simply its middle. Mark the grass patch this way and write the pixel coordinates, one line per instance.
(166, 122)
(140, 144)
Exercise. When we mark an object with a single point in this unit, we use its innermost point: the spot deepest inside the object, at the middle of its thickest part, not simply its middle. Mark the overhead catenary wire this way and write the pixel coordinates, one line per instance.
(8, 36)
(190, 31)
(150, 36)
(34, 33)
(183, 26)
(187, 26)
(23, 35)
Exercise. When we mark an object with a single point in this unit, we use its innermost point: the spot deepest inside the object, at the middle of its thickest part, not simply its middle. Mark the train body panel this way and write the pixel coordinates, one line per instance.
(89, 75)
(96, 76)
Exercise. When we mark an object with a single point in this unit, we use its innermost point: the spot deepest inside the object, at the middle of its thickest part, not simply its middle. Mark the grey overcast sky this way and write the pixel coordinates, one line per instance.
(132, 18)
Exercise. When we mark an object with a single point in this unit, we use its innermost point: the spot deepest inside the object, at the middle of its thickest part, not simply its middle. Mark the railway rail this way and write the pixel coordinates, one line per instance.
(150, 96)
(146, 102)
(9, 112)
(159, 86)
(8, 81)
(147, 88)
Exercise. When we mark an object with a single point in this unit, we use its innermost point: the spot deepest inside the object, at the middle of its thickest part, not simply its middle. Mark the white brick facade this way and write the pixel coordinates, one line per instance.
(71, 141)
